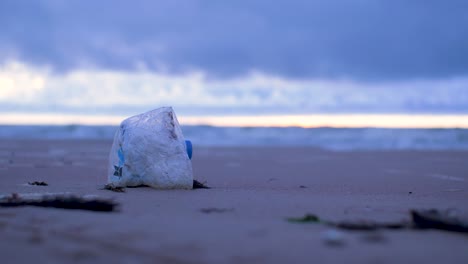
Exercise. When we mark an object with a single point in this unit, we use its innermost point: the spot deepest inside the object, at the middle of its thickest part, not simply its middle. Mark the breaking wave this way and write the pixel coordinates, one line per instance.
(328, 138)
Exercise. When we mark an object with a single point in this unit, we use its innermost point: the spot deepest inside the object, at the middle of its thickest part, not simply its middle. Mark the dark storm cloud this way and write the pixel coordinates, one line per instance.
(361, 39)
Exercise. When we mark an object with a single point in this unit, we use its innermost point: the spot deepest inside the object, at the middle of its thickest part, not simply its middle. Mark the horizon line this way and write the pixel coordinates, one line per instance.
(305, 120)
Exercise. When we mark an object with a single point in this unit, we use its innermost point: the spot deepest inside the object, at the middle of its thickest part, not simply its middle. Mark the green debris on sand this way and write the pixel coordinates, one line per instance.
(308, 218)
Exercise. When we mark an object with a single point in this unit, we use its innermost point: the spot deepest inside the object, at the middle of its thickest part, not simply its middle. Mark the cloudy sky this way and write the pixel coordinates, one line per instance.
(234, 57)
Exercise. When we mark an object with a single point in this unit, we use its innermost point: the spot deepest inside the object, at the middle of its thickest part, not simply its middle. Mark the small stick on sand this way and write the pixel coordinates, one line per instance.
(38, 183)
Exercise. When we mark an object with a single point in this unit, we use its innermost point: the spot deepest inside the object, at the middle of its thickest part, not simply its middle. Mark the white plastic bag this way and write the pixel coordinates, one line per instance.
(149, 149)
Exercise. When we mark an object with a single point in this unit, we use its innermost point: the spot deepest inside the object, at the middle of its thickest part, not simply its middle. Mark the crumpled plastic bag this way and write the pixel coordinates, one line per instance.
(149, 149)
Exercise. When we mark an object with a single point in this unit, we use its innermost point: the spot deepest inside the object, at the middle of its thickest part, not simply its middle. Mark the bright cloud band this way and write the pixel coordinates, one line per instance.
(90, 93)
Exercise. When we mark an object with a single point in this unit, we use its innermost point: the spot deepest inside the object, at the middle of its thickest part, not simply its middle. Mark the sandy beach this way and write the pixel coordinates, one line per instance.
(243, 218)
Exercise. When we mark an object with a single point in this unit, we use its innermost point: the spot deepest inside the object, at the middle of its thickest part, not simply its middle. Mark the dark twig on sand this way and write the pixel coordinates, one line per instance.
(368, 225)
(38, 183)
(216, 210)
(60, 201)
(199, 185)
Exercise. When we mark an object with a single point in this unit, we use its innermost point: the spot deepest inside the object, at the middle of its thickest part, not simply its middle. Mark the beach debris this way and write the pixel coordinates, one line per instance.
(308, 218)
(38, 183)
(59, 201)
(359, 225)
(113, 188)
(216, 210)
(333, 237)
(420, 219)
(367, 225)
(149, 149)
(435, 219)
(200, 185)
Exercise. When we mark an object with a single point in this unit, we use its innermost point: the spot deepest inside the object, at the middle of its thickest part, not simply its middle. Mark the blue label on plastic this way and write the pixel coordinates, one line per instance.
(188, 144)
(121, 157)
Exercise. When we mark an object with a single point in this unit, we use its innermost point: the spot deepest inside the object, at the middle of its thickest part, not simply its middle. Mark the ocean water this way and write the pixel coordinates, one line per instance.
(327, 138)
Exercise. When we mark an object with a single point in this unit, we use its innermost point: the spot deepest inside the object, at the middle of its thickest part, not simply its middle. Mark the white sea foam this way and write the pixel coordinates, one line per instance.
(328, 138)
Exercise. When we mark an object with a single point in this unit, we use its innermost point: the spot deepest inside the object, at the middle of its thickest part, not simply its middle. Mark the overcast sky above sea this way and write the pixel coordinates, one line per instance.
(234, 57)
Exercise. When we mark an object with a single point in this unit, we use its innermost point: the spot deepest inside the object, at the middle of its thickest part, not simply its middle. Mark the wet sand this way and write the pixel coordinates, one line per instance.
(243, 218)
